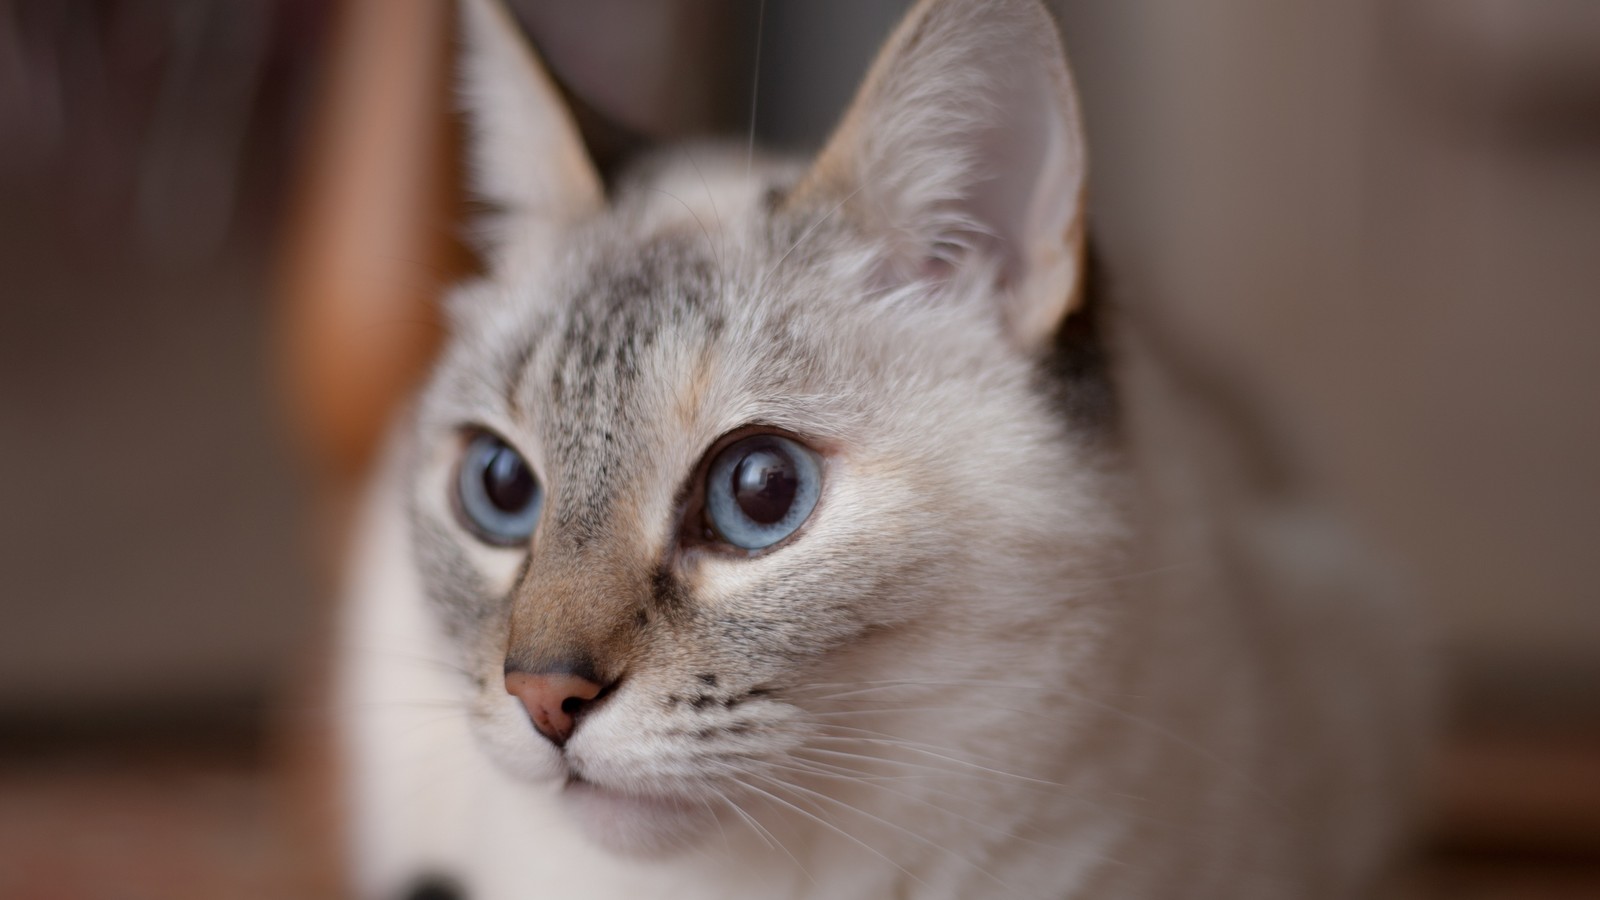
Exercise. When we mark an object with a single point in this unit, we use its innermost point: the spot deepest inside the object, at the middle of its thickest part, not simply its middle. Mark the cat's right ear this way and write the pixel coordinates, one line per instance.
(525, 157)
(963, 152)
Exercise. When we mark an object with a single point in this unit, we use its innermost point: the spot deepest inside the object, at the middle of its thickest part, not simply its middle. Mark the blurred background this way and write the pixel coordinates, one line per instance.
(1371, 228)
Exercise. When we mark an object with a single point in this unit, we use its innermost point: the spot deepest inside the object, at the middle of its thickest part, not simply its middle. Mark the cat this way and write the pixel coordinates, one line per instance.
(774, 528)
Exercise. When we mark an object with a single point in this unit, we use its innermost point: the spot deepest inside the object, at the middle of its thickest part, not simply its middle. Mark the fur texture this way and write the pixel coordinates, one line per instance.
(975, 671)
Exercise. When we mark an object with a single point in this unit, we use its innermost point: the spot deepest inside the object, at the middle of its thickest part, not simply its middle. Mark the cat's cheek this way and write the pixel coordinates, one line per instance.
(500, 568)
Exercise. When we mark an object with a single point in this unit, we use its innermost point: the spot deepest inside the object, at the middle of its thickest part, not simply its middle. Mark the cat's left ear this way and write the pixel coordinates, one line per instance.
(964, 147)
(525, 156)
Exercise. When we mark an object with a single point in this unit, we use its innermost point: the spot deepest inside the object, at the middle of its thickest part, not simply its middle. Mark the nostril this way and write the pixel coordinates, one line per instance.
(552, 700)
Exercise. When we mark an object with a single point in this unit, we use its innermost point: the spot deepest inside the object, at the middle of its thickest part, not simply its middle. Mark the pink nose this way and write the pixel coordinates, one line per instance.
(552, 701)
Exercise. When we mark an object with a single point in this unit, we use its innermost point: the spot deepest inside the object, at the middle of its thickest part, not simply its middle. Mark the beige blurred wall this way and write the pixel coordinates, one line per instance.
(1377, 225)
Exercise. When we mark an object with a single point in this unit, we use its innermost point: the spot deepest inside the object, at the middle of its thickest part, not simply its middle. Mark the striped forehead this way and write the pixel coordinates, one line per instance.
(596, 380)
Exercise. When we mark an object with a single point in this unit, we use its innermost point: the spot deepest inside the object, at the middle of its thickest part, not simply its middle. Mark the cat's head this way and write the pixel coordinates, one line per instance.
(716, 462)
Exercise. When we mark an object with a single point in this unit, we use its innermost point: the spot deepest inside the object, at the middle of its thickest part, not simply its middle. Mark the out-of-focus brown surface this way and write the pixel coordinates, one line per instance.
(196, 816)
(1534, 794)
(1517, 817)
(372, 242)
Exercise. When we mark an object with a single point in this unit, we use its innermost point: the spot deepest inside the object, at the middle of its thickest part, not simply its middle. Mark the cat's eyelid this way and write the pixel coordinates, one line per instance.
(814, 431)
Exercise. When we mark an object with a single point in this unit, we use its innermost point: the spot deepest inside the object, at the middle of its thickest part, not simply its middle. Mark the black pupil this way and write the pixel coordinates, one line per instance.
(764, 484)
(507, 481)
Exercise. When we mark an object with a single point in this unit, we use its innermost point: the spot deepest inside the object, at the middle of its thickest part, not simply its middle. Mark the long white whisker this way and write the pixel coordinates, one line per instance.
(918, 747)
(821, 770)
(407, 656)
(760, 830)
(826, 824)
(972, 770)
(1149, 725)
(887, 824)
(727, 847)
(883, 710)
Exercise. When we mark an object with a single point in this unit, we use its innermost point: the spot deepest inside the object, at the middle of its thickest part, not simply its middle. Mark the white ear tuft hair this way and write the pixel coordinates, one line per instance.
(964, 142)
(524, 153)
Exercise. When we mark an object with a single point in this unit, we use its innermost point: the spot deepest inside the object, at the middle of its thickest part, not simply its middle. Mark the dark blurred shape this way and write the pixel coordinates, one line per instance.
(1529, 70)
(148, 130)
(148, 546)
(434, 889)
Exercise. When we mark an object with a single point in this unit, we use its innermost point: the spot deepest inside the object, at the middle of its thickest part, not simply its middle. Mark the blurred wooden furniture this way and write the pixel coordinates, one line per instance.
(370, 247)
(371, 241)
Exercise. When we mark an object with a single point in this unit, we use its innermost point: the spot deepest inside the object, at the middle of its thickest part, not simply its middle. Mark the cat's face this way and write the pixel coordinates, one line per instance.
(711, 463)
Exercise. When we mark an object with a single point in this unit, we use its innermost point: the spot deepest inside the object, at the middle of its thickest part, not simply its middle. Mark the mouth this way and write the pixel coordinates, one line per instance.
(635, 822)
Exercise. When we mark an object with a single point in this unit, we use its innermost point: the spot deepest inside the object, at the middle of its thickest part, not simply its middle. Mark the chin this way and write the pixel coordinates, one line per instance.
(636, 824)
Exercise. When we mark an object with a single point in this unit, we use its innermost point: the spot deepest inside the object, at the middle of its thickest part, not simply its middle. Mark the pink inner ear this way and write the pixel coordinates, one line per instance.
(1022, 171)
(1021, 192)
(966, 151)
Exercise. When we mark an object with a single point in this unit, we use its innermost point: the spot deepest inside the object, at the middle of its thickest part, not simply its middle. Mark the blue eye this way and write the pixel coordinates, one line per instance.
(496, 494)
(760, 489)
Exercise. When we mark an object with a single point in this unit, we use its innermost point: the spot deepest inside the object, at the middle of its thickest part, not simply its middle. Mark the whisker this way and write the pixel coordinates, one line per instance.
(324, 709)
(890, 825)
(409, 656)
(1128, 811)
(414, 727)
(918, 747)
(755, 90)
(727, 847)
(817, 769)
(882, 710)
(1147, 724)
(690, 210)
(925, 773)
(761, 285)
(722, 228)
(756, 827)
(815, 817)
(754, 823)
(863, 687)
(973, 770)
